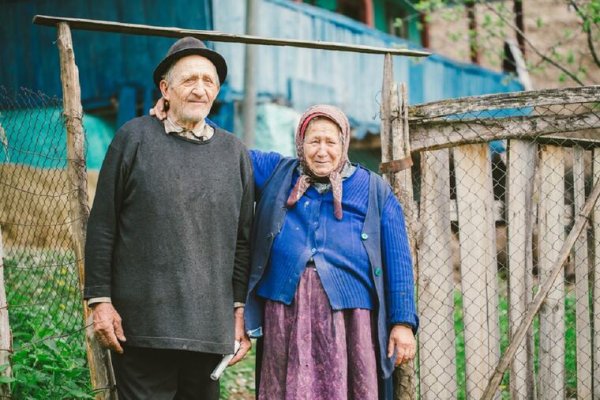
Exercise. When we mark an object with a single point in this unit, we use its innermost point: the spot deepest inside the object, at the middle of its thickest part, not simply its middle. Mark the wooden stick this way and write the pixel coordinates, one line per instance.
(100, 368)
(538, 300)
(149, 30)
(5, 333)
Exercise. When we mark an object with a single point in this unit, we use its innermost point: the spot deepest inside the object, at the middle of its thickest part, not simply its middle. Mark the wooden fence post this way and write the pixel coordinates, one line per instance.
(521, 171)
(596, 283)
(582, 286)
(479, 280)
(395, 146)
(5, 333)
(98, 358)
(551, 235)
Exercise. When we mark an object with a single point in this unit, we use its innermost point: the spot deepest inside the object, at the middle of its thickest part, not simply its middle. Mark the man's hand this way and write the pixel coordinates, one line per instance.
(159, 109)
(403, 343)
(240, 335)
(107, 326)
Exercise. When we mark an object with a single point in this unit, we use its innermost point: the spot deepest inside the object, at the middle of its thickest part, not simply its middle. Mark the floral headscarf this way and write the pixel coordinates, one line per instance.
(335, 177)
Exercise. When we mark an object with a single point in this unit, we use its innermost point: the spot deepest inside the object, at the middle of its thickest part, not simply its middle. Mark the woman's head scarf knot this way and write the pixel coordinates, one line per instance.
(335, 177)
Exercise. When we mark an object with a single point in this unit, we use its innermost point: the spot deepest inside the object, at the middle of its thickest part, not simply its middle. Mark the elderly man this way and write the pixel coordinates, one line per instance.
(167, 251)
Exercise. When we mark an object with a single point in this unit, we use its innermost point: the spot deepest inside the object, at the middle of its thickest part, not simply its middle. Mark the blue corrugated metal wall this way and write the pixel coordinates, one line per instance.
(352, 81)
(107, 62)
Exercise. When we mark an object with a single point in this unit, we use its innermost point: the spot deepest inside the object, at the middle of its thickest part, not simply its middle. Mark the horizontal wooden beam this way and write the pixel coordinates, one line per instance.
(549, 97)
(215, 36)
(435, 135)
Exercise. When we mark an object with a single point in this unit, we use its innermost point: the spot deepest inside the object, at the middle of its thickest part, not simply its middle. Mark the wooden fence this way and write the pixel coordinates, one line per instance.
(472, 309)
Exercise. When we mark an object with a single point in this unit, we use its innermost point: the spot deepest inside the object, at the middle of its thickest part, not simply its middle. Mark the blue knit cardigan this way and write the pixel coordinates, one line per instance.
(269, 219)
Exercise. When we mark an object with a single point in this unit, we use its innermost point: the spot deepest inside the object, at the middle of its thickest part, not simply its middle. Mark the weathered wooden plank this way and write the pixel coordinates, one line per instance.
(585, 94)
(546, 287)
(521, 167)
(214, 36)
(551, 232)
(98, 361)
(582, 285)
(478, 264)
(596, 281)
(435, 280)
(434, 135)
(386, 130)
(5, 332)
(404, 375)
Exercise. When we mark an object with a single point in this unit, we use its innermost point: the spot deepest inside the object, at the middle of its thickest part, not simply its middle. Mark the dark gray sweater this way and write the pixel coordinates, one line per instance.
(168, 236)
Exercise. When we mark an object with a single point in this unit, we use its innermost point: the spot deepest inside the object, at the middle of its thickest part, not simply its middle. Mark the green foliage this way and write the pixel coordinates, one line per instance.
(496, 22)
(49, 360)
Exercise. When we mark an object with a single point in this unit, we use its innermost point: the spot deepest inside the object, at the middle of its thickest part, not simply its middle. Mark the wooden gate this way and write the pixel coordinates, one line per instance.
(498, 210)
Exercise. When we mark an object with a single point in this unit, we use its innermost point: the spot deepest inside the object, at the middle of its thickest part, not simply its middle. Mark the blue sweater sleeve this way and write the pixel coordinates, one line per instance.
(263, 164)
(400, 288)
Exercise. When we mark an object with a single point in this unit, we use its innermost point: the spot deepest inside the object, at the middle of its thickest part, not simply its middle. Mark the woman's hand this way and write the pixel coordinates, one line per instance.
(159, 109)
(403, 343)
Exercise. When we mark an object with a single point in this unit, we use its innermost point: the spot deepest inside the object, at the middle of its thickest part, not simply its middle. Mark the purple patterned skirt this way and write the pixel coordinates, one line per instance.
(311, 352)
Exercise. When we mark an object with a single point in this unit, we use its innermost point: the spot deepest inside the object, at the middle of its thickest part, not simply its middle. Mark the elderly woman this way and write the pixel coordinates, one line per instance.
(331, 288)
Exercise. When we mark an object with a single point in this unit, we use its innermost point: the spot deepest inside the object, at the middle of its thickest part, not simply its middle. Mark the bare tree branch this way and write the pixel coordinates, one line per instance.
(538, 52)
(587, 30)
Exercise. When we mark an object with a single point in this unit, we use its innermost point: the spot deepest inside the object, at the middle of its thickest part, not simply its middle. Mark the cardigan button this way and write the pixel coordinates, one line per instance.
(364, 236)
(377, 271)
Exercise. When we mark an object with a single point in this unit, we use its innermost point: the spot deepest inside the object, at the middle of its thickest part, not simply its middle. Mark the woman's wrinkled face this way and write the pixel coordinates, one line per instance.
(322, 147)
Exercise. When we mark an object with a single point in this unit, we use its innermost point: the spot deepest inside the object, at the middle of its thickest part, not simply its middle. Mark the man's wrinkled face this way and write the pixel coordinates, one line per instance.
(190, 87)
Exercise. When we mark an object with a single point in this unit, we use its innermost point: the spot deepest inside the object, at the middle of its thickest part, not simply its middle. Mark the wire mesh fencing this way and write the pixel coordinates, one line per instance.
(499, 186)
(40, 266)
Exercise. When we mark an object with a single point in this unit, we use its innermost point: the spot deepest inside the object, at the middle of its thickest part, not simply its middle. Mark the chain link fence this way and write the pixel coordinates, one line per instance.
(40, 267)
(499, 186)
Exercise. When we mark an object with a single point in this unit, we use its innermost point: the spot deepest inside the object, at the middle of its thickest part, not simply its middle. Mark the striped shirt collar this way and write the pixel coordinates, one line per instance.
(201, 132)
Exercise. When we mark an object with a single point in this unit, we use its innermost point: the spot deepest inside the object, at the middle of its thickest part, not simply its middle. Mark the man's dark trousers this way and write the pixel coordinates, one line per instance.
(158, 374)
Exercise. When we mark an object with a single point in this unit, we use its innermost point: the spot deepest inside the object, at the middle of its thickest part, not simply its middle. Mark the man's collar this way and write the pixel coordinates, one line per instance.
(201, 132)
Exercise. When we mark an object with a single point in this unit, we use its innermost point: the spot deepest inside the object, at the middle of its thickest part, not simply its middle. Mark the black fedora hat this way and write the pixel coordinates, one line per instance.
(190, 46)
